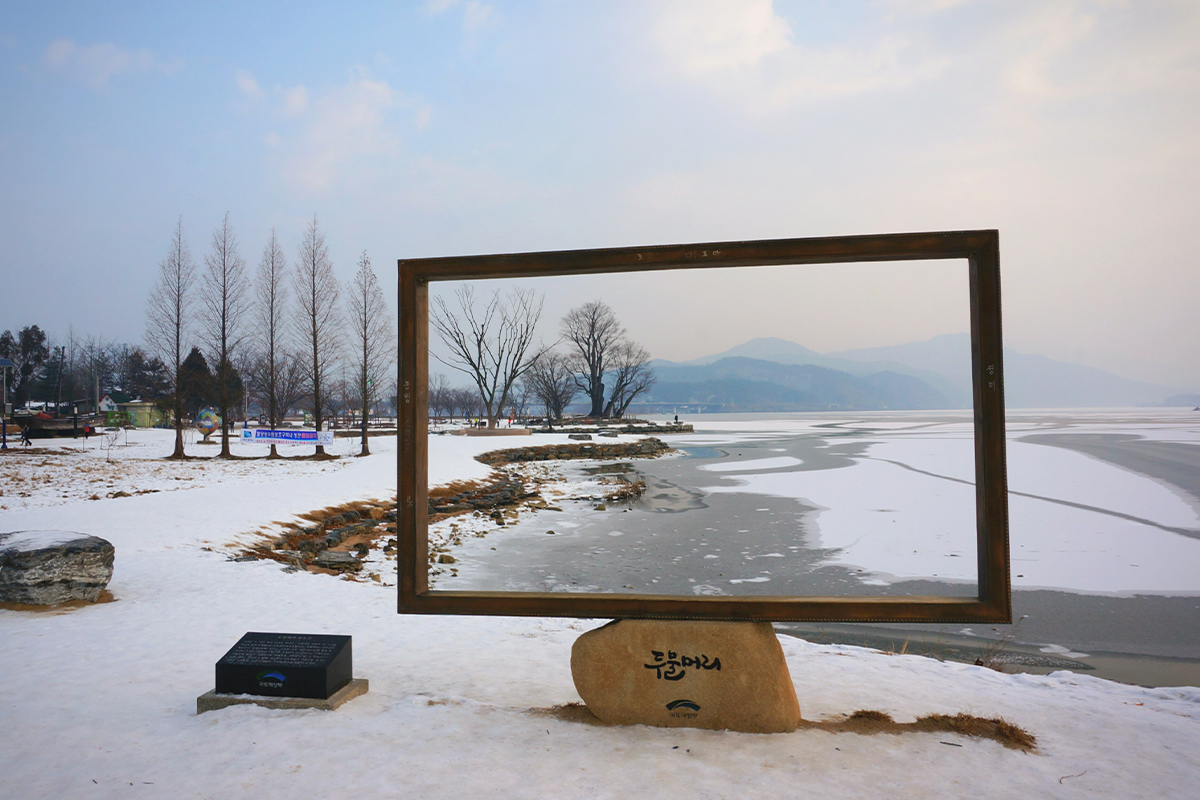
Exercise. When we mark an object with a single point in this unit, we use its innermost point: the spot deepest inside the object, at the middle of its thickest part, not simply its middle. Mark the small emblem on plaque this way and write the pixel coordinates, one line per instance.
(677, 704)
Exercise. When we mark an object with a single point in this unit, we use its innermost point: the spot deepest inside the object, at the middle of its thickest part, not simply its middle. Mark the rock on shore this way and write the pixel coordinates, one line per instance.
(49, 567)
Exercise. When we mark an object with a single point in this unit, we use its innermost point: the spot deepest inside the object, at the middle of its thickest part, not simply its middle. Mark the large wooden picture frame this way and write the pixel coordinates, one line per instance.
(980, 249)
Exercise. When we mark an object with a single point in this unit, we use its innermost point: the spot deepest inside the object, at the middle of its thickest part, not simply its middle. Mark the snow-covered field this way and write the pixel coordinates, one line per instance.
(99, 701)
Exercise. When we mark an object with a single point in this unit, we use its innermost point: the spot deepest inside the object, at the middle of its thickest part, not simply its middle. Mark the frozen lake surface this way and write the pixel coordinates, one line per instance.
(818, 505)
(1104, 521)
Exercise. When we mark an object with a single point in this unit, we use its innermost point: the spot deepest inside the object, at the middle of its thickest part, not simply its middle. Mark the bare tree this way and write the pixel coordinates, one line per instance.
(553, 383)
(225, 301)
(374, 342)
(273, 363)
(491, 344)
(95, 371)
(518, 398)
(464, 400)
(593, 331)
(631, 375)
(290, 381)
(167, 317)
(318, 321)
(438, 392)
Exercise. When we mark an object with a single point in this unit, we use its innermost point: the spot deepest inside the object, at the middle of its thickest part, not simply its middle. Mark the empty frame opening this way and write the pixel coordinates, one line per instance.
(830, 413)
(831, 450)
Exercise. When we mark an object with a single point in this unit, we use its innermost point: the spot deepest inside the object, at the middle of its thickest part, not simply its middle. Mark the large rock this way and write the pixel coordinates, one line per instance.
(47, 567)
(720, 675)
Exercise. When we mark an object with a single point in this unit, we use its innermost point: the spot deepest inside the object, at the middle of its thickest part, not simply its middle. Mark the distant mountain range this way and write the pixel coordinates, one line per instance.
(771, 374)
(744, 384)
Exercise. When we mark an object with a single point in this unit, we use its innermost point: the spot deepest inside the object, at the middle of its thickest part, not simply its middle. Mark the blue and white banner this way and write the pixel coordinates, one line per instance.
(287, 436)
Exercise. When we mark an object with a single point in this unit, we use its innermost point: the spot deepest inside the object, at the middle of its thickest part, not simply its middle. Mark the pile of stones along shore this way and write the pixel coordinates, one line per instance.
(339, 538)
(645, 448)
(336, 540)
(608, 428)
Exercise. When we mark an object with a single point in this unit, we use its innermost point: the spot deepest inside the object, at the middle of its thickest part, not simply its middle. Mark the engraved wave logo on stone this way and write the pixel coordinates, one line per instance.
(688, 704)
(273, 676)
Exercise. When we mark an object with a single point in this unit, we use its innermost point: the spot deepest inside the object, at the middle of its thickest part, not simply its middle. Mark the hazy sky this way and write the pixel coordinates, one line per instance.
(684, 314)
(441, 128)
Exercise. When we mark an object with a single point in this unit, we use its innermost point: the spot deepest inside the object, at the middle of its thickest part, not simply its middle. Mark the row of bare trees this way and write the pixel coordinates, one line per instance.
(289, 331)
(492, 342)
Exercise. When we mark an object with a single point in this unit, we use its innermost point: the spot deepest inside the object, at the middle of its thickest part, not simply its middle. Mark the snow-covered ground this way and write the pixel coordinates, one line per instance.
(99, 701)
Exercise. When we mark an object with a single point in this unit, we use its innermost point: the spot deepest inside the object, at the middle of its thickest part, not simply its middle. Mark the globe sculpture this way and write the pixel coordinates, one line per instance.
(207, 421)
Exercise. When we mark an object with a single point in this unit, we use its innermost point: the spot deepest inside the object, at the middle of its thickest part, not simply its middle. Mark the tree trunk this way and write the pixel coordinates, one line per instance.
(366, 449)
(178, 453)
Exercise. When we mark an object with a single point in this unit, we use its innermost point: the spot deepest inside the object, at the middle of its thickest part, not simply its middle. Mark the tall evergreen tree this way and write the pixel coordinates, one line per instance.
(196, 383)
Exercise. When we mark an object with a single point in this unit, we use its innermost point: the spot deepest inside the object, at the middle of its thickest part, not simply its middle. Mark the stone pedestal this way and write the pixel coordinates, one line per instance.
(718, 675)
(212, 701)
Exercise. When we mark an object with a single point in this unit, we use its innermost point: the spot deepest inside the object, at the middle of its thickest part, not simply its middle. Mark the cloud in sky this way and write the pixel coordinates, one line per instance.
(294, 101)
(1058, 51)
(748, 51)
(340, 126)
(96, 64)
(476, 15)
(705, 36)
(248, 86)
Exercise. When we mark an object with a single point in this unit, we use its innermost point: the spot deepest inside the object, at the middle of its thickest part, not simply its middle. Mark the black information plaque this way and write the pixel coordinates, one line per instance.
(286, 665)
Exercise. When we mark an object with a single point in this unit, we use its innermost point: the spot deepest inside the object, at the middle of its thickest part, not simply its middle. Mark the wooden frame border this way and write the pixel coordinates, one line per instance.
(981, 249)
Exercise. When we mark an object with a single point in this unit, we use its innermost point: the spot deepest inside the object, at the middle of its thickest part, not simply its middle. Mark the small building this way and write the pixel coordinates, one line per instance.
(143, 414)
(112, 402)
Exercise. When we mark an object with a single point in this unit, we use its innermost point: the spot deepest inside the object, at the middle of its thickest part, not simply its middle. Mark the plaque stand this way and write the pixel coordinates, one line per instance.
(285, 670)
(211, 701)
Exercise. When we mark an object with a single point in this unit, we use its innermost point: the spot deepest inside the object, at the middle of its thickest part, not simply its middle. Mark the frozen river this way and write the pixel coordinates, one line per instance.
(1104, 522)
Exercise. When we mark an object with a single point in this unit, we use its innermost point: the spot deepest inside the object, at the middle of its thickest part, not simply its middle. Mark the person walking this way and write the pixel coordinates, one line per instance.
(25, 436)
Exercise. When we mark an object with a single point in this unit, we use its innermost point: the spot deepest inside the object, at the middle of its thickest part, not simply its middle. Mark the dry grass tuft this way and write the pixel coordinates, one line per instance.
(997, 729)
(453, 488)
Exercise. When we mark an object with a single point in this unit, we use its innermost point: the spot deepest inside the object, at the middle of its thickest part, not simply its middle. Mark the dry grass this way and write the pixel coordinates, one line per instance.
(60, 608)
(868, 721)
(363, 507)
(455, 487)
(864, 722)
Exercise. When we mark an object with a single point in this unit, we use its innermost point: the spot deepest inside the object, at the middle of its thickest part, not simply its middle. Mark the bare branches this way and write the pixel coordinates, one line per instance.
(600, 351)
(631, 375)
(167, 317)
(372, 338)
(490, 344)
(592, 330)
(225, 301)
(553, 383)
(317, 324)
(438, 394)
(273, 361)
